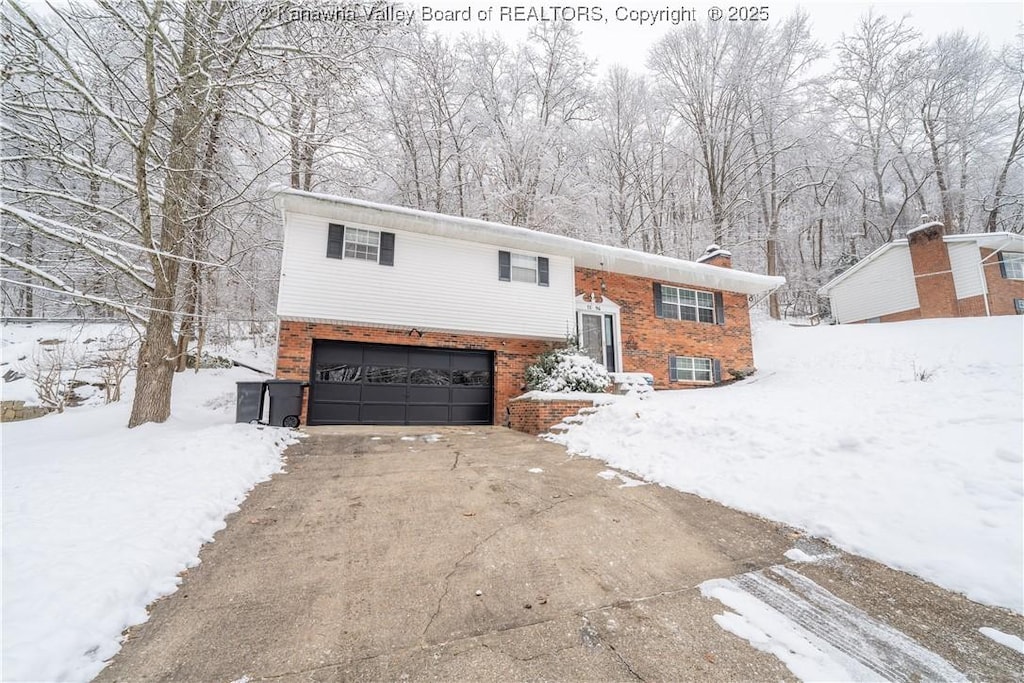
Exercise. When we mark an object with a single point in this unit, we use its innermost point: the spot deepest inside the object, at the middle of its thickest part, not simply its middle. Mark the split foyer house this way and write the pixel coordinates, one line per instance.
(399, 316)
(932, 275)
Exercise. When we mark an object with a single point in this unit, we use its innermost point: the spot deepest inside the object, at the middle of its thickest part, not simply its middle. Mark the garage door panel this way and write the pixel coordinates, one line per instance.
(427, 414)
(420, 394)
(429, 359)
(382, 413)
(384, 393)
(354, 382)
(337, 413)
(338, 392)
(383, 355)
(471, 361)
(339, 354)
(471, 394)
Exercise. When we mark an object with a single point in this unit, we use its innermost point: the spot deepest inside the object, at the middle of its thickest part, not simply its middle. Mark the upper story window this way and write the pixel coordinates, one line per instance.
(359, 243)
(1012, 265)
(685, 304)
(362, 244)
(514, 267)
(524, 268)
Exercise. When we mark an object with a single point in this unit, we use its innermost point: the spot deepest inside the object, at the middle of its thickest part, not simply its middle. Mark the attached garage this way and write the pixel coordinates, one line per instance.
(357, 383)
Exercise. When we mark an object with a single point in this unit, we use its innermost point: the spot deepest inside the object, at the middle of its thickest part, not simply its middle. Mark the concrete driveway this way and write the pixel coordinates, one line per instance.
(485, 554)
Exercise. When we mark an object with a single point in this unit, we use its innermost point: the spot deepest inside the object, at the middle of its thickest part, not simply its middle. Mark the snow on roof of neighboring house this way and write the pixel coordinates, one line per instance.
(997, 241)
(585, 254)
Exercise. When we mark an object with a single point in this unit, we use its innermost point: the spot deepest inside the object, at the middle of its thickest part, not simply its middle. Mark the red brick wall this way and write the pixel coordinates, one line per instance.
(511, 356)
(648, 341)
(933, 275)
(1001, 291)
(537, 417)
(912, 314)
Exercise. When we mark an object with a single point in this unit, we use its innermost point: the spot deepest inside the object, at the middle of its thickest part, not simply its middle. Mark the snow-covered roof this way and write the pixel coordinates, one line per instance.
(997, 241)
(585, 254)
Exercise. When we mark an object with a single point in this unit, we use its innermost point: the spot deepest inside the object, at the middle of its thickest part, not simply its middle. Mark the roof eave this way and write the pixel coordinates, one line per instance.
(585, 254)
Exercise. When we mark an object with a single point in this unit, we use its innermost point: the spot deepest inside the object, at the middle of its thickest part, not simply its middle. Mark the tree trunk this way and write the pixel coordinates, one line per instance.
(158, 352)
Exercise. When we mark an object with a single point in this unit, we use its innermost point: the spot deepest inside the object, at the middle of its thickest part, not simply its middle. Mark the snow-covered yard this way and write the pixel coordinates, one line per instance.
(99, 520)
(900, 442)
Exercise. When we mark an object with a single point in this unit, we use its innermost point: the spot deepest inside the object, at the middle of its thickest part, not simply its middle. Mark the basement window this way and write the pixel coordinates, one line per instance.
(1018, 306)
(687, 369)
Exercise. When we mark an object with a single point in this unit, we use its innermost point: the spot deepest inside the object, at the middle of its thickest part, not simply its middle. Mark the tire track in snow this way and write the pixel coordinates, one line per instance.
(816, 633)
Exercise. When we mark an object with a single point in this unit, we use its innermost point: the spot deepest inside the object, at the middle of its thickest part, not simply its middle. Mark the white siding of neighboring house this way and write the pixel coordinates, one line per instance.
(436, 283)
(964, 258)
(886, 285)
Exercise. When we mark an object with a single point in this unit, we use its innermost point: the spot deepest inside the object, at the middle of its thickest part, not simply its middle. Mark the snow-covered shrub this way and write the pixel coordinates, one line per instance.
(566, 369)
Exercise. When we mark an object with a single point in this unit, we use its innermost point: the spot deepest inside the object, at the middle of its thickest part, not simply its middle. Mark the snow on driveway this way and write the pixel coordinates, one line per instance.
(98, 520)
(901, 442)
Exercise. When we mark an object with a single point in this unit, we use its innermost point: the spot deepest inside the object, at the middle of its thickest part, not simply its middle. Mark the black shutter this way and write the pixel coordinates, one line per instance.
(719, 309)
(542, 271)
(335, 240)
(716, 371)
(671, 362)
(659, 310)
(505, 266)
(1002, 265)
(387, 249)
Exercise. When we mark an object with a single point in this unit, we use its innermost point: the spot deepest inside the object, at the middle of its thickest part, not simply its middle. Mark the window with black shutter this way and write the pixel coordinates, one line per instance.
(360, 244)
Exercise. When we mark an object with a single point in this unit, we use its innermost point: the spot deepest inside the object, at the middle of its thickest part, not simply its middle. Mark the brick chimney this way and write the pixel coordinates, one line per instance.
(932, 271)
(714, 255)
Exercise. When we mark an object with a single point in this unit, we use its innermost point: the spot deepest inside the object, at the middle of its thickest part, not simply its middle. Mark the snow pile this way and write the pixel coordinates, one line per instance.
(99, 520)
(901, 442)
(563, 370)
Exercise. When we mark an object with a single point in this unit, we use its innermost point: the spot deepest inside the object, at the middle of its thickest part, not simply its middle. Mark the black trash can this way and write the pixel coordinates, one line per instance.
(285, 402)
(249, 401)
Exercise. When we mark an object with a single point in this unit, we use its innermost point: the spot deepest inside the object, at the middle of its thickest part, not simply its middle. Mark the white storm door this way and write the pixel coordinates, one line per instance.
(597, 338)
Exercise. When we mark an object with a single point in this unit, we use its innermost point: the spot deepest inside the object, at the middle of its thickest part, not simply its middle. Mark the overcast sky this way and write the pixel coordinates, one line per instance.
(612, 40)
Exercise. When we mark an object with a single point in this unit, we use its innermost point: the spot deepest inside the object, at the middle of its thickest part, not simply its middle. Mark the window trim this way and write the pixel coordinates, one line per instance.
(693, 370)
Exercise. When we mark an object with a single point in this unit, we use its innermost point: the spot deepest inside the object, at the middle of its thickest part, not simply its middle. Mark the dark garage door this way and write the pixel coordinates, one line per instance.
(356, 383)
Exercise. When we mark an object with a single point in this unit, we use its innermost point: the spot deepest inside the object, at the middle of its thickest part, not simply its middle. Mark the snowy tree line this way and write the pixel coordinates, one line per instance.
(139, 140)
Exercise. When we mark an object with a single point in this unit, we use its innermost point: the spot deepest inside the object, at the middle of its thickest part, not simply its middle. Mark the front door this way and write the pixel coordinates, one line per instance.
(597, 338)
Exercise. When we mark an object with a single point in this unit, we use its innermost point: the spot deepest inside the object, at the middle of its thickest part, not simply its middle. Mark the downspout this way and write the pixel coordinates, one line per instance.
(984, 287)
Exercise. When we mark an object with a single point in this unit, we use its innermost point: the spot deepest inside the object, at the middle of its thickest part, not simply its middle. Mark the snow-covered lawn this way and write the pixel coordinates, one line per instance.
(901, 442)
(99, 520)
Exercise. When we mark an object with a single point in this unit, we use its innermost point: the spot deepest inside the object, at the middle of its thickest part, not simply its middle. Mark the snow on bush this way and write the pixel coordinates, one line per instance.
(567, 369)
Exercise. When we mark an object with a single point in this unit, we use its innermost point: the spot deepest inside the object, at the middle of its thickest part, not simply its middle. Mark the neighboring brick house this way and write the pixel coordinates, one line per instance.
(401, 316)
(932, 275)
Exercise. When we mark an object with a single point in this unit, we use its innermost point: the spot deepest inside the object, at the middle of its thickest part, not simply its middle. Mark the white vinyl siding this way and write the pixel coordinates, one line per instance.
(964, 258)
(883, 286)
(436, 283)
